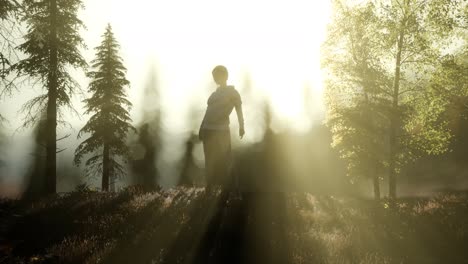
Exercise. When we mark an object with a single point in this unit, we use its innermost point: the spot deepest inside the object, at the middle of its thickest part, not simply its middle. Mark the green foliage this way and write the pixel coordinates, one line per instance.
(356, 90)
(51, 47)
(37, 46)
(381, 58)
(7, 11)
(450, 80)
(110, 120)
(8, 34)
(6, 7)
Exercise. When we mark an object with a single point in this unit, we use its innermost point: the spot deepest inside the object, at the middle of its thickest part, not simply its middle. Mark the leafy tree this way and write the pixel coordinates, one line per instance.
(356, 92)
(449, 87)
(383, 67)
(412, 29)
(110, 123)
(51, 47)
(450, 79)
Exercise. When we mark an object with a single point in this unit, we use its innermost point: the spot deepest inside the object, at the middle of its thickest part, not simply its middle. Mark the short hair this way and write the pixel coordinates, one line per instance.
(219, 71)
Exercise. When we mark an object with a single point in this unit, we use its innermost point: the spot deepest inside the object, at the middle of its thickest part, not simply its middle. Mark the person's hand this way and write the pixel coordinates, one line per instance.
(241, 132)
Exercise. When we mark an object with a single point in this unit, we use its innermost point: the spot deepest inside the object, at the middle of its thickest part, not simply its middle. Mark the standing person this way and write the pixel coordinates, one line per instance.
(214, 129)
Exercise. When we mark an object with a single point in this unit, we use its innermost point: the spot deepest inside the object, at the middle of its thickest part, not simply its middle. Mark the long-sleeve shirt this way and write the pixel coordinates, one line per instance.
(220, 105)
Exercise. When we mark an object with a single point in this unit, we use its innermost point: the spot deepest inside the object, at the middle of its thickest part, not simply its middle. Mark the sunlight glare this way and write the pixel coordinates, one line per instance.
(277, 43)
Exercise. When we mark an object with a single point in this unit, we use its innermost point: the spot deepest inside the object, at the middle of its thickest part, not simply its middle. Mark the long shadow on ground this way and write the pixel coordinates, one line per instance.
(239, 228)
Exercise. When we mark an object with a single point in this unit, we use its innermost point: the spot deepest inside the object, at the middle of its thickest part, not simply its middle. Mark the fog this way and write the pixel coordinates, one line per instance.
(169, 49)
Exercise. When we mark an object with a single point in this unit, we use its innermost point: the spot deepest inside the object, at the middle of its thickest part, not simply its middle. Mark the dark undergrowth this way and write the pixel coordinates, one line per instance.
(187, 225)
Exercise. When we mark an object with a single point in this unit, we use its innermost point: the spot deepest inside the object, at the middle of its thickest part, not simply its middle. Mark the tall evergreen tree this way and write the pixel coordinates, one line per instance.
(8, 15)
(110, 123)
(51, 47)
(9, 29)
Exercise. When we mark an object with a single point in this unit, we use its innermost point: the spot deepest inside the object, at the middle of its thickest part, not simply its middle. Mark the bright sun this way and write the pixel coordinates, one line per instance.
(275, 43)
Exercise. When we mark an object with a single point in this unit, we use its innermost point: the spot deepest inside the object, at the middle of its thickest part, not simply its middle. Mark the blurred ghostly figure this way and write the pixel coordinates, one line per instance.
(190, 171)
(35, 185)
(144, 168)
(214, 129)
(145, 152)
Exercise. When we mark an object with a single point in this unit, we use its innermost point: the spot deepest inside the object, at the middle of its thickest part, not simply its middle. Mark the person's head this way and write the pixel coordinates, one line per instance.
(220, 75)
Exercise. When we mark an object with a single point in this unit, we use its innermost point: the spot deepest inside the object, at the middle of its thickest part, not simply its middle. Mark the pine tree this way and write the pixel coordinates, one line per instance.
(51, 47)
(9, 29)
(110, 123)
(8, 15)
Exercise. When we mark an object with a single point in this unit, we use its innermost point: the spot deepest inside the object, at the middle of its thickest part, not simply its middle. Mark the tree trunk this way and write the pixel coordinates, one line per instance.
(105, 168)
(112, 182)
(395, 119)
(376, 182)
(51, 123)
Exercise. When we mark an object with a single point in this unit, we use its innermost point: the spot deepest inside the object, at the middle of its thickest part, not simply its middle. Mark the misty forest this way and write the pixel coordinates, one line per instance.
(347, 142)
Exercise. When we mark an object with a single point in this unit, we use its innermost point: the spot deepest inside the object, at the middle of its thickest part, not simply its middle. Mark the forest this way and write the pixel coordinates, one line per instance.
(379, 176)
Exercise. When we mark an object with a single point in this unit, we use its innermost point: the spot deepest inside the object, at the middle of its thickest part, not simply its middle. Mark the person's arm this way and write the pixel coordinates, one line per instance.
(240, 118)
(240, 114)
(200, 131)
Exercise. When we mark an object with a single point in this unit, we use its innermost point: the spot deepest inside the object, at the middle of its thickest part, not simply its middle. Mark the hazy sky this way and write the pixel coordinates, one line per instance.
(275, 43)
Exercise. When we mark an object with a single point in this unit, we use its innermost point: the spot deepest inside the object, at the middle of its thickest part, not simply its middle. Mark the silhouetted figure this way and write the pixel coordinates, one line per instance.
(189, 168)
(214, 129)
(36, 177)
(145, 169)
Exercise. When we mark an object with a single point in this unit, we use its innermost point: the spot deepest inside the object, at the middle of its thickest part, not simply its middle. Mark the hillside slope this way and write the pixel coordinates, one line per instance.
(187, 225)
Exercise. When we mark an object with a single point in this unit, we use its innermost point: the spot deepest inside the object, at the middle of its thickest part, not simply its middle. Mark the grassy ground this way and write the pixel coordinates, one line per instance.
(187, 225)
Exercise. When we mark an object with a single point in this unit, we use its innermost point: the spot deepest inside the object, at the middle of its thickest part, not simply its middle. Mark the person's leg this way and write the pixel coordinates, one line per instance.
(209, 147)
(217, 148)
(225, 158)
(217, 158)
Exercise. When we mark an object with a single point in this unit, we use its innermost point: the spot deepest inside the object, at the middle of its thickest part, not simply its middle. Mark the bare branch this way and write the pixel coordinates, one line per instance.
(64, 137)
(59, 151)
